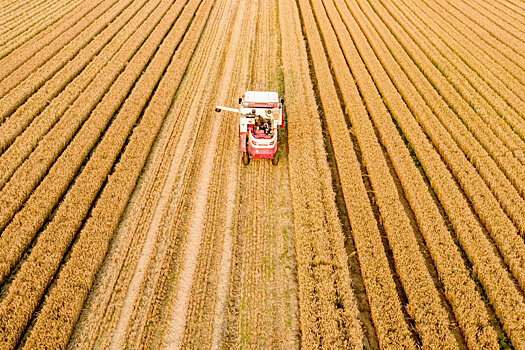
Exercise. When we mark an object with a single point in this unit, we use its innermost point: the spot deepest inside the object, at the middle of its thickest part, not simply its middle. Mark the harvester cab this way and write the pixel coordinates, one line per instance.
(261, 116)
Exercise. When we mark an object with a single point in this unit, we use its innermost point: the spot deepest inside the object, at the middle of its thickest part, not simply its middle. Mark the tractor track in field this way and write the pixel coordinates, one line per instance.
(262, 311)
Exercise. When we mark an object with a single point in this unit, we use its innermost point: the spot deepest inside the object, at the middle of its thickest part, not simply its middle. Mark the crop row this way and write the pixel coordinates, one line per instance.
(71, 69)
(41, 114)
(459, 288)
(503, 75)
(91, 246)
(480, 95)
(515, 5)
(500, 227)
(8, 6)
(499, 285)
(30, 24)
(54, 184)
(18, 19)
(465, 129)
(426, 305)
(501, 53)
(492, 89)
(391, 327)
(486, 21)
(327, 304)
(66, 221)
(500, 12)
(29, 174)
(49, 39)
(10, 14)
(27, 222)
(14, 96)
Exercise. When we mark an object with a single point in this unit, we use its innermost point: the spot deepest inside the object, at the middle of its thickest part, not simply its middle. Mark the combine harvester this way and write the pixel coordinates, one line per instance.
(261, 115)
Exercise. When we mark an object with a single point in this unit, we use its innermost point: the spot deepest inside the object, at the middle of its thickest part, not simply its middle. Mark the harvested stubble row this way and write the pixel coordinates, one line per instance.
(426, 306)
(391, 327)
(199, 314)
(499, 285)
(240, 321)
(459, 288)
(64, 29)
(30, 25)
(26, 223)
(201, 305)
(492, 89)
(76, 277)
(255, 320)
(148, 306)
(55, 239)
(167, 264)
(501, 228)
(40, 114)
(500, 75)
(328, 309)
(481, 37)
(14, 96)
(466, 130)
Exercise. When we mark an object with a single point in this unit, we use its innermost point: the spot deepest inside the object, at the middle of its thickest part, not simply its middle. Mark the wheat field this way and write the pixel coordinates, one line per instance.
(395, 218)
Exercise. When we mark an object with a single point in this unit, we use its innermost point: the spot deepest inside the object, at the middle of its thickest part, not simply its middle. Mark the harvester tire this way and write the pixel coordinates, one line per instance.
(245, 158)
(275, 159)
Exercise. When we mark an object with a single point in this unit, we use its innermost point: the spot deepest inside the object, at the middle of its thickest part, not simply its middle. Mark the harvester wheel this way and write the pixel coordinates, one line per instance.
(245, 158)
(275, 159)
